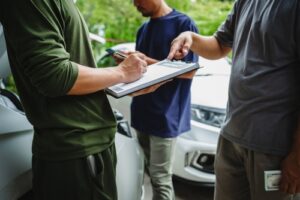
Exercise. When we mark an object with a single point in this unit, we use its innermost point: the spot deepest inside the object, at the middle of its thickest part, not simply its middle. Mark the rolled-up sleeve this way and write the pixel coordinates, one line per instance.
(39, 45)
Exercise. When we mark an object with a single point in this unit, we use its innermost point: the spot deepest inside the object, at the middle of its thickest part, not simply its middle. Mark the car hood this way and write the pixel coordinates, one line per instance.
(210, 85)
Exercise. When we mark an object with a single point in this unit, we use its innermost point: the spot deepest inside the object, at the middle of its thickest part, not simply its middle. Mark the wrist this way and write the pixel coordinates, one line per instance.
(119, 72)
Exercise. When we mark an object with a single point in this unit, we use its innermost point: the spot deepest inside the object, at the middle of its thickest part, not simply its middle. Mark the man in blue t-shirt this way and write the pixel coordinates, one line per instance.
(161, 116)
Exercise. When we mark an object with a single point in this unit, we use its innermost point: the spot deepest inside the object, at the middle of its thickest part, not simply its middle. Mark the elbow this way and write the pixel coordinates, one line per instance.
(221, 52)
(224, 51)
(56, 82)
(52, 89)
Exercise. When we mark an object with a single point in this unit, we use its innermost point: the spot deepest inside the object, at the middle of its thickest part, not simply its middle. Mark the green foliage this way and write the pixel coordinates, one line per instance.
(118, 18)
(10, 84)
(180, 4)
(209, 14)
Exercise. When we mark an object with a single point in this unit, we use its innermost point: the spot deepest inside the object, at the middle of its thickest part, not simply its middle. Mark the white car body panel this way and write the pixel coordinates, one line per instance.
(130, 168)
(185, 146)
(209, 89)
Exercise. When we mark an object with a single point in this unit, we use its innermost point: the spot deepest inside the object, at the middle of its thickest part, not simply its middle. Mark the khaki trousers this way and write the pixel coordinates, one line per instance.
(159, 158)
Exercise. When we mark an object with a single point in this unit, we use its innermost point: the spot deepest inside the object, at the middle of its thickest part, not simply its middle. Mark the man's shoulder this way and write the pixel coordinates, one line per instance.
(185, 22)
(182, 16)
(183, 19)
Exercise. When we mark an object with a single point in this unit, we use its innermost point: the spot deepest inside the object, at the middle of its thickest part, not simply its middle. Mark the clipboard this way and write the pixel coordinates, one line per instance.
(156, 73)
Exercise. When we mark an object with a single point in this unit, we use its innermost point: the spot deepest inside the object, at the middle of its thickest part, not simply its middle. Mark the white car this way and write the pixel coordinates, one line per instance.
(15, 147)
(195, 149)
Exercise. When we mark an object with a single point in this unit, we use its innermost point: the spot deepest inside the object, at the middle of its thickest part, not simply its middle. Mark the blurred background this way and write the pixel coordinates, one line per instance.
(118, 21)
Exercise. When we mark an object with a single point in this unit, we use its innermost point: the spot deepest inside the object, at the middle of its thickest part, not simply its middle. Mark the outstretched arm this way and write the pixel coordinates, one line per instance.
(206, 46)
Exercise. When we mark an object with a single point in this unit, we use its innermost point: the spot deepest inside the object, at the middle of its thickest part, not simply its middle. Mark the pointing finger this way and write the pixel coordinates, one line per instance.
(174, 49)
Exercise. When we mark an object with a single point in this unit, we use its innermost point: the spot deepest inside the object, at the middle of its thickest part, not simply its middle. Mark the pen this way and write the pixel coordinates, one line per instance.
(120, 55)
(117, 54)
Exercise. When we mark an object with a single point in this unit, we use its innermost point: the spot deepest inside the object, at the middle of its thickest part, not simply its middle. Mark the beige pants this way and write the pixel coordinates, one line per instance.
(240, 173)
(159, 158)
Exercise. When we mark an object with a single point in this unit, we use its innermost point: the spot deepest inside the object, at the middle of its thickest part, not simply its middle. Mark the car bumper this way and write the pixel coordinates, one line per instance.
(195, 152)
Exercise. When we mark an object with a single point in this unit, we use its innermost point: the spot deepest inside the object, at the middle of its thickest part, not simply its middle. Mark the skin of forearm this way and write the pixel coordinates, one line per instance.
(208, 47)
(91, 80)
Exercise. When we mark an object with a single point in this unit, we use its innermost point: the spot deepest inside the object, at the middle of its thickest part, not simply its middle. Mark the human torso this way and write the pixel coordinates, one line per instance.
(165, 112)
(264, 86)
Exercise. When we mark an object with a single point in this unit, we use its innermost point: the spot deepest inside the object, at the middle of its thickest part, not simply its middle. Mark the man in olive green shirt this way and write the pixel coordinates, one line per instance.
(62, 93)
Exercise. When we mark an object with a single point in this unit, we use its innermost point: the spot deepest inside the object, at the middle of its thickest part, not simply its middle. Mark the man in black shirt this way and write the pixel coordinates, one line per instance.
(261, 131)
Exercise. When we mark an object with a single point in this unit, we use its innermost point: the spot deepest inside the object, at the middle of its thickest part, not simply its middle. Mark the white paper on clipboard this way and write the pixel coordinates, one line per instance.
(156, 73)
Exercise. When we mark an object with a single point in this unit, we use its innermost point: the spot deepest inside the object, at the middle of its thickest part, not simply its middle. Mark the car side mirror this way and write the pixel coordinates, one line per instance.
(122, 124)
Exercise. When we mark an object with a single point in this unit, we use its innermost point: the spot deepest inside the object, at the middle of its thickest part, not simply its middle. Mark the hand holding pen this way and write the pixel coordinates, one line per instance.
(119, 56)
(131, 66)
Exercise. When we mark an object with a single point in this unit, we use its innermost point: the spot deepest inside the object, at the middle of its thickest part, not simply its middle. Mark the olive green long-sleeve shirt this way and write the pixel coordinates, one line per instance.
(45, 39)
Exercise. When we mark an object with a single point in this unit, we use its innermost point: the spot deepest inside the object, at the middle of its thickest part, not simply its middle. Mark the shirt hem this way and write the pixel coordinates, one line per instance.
(162, 134)
(255, 148)
(75, 155)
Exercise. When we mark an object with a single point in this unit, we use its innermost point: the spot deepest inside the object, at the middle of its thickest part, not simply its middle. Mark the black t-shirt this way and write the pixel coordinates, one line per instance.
(263, 104)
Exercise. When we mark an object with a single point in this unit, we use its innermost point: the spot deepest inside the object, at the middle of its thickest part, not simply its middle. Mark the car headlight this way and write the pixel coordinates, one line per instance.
(210, 116)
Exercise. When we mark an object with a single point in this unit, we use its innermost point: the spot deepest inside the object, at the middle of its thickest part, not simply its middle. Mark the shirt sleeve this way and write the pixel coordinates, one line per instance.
(37, 40)
(225, 33)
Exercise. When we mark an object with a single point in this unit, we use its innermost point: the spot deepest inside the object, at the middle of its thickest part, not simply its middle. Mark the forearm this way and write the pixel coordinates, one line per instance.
(91, 80)
(208, 47)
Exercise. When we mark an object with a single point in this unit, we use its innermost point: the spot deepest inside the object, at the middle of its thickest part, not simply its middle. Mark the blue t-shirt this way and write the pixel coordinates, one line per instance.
(165, 112)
